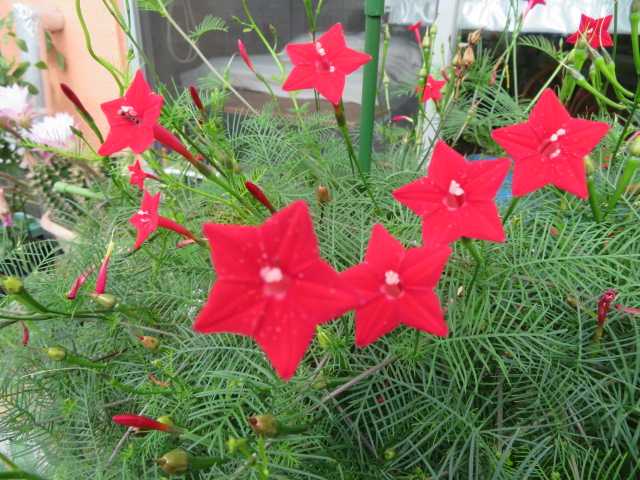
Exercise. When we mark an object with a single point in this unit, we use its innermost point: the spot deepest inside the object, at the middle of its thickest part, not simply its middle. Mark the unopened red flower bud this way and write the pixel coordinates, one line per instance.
(105, 300)
(140, 422)
(195, 96)
(150, 343)
(73, 98)
(101, 281)
(78, 282)
(604, 304)
(56, 353)
(245, 56)
(257, 193)
(323, 195)
(175, 462)
(169, 140)
(25, 334)
(264, 425)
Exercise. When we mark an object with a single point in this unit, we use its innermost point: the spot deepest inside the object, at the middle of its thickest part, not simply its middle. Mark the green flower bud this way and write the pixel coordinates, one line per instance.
(12, 285)
(264, 425)
(150, 343)
(237, 445)
(105, 300)
(390, 454)
(56, 353)
(634, 146)
(175, 462)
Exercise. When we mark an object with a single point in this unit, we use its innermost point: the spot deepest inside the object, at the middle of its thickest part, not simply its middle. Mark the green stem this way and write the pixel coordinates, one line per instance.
(62, 187)
(7, 461)
(601, 65)
(510, 209)
(344, 130)
(577, 57)
(633, 163)
(635, 44)
(87, 39)
(473, 250)
(19, 474)
(582, 83)
(594, 199)
(374, 10)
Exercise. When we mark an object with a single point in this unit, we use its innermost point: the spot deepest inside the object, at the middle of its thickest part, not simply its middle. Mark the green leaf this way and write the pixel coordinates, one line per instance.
(61, 61)
(41, 65)
(209, 24)
(22, 45)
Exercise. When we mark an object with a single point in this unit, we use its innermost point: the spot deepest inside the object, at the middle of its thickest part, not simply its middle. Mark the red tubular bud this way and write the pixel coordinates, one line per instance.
(78, 282)
(101, 282)
(604, 304)
(73, 98)
(259, 195)
(195, 96)
(25, 334)
(415, 28)
(245, 56)
(140, 422)
(169, 140)
(168, 224)
(629, 310)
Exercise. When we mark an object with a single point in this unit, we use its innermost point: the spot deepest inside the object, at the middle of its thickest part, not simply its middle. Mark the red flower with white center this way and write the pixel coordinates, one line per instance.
(147, 220)
(432, 89)
(396, 287)
(457, 197)
(549, 148)
(416, 29)
(272, 286)
(323, 65)
(595, 31)
(132, 118)
(138, 175)
(142, 423)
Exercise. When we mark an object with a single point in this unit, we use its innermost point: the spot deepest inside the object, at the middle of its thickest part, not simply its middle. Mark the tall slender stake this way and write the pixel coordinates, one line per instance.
(373, 10)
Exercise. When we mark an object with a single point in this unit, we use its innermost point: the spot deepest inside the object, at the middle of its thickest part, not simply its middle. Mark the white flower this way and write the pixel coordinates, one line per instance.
(14, 103)
(53, 131)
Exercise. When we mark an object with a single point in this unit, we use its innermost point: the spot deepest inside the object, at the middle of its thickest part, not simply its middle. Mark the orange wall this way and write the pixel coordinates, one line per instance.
(89, 80)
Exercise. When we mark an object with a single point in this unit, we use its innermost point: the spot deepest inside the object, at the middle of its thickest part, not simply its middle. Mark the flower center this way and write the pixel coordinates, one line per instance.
(454, 198)
(322, 64)
(392, 287)
(275, 282)
(129, 113)
(551, 148)
(144, 216)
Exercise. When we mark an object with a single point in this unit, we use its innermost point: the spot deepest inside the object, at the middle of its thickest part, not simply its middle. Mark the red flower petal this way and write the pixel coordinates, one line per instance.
(140, 422)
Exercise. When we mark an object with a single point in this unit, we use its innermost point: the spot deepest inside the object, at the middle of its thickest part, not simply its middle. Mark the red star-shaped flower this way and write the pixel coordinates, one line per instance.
(432, 89)
(396, 286)
(147, 220)
(416, 28)
(457, 197)
(533, 3)
(549, 148)
(594, 30)
(272, 286)
(132, 118)
(138, 175)
(323, 65)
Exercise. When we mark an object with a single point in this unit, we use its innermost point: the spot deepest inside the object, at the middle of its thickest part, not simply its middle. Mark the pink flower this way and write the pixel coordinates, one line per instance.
(432, 89)
(132, 118)
(14, 104)
(549, 148)
(101, 281)
(594, 31)
(396, 286)
(257, 193)
(147, 220)
(416, 29)
(457, 197)
(138, 175)
(272, 286)
(323, 65)
(245, 56)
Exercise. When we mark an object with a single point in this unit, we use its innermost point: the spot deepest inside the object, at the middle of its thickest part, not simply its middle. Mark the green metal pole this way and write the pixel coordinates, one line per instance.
(373, 10)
